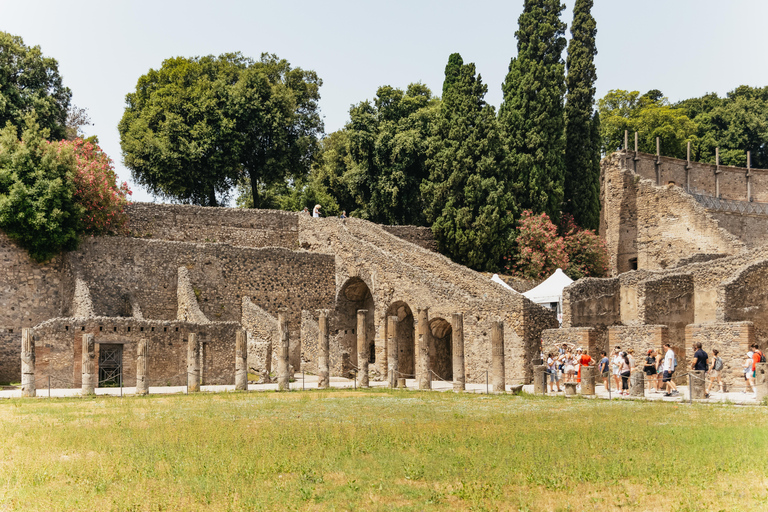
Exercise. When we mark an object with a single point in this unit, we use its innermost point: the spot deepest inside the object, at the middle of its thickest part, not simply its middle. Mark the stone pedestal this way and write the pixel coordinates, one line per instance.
(283, 371)
(241, 361)
(540, 379)
(457, 340)
(498, 378)
(637, 383)
(401, 383)
(761, 381)
(28, 388)
(698, 384)
(588, 380)
(424, 334)
(193, 364)
(323, 347)
(363, 349)
(89, 365)
(142, 365)
(392, 354)
(570, 389)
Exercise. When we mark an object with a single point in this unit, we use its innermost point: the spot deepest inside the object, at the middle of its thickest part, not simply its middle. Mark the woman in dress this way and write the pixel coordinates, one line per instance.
(570, 365)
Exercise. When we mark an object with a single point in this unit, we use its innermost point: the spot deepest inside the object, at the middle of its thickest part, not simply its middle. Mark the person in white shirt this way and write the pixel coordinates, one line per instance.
(669, 369)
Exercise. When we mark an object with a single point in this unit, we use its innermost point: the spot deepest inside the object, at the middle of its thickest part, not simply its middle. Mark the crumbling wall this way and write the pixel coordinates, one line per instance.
(744, 297)
(640, 339)
(574, 337)
(418, 235)
(261, 329)
(731, 339)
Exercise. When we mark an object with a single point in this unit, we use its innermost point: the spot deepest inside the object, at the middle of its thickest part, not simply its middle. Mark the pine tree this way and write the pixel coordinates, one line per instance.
(531, 114)
(467, 199)
(582, 151)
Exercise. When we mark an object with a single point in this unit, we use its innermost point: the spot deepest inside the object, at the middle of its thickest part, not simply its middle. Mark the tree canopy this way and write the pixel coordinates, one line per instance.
(30, 84)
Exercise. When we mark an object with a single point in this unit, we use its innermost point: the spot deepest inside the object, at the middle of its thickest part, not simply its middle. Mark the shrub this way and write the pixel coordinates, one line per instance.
(587, 253)
(539, 250)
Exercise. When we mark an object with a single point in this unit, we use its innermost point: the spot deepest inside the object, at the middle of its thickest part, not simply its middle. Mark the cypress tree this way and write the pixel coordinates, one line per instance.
(466, 197)
(582, 151)
(452, 70)
(531, 114)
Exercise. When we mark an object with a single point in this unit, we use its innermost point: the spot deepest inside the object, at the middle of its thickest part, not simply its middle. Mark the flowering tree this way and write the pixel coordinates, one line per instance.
(539, 249)
(97, 190)
(587, 253)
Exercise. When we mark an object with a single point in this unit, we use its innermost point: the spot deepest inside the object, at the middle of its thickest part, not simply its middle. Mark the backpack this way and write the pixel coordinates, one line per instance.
(718, 364)
(762, 356)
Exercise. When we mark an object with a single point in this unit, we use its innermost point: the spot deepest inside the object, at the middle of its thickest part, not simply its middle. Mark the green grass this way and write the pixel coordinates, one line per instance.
(379, 450)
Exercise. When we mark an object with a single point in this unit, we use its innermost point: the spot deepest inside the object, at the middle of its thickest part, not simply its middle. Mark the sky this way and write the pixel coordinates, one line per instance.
(685, 48)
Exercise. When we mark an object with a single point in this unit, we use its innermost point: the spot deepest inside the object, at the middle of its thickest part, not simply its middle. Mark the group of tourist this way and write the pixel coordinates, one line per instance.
(658, 366)
(316, 212)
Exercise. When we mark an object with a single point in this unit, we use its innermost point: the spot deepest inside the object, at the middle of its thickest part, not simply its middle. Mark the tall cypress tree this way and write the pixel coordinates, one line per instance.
(582, 152)
(452, 70)
(531, 114)
(466, 198)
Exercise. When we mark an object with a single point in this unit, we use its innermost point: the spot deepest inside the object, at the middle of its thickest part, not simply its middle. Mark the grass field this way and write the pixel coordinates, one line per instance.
(379, 450)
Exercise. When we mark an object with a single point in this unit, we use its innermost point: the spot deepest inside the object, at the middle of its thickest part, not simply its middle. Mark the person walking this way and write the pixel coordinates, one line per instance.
(625, 371)
(604, 368)
(659, 370)
(700, 363)
(554, 377)
(714, 373)
(616, 361)
(670, 363)
(649, 368)
(570, 365)
(582, 359)
(749, 373)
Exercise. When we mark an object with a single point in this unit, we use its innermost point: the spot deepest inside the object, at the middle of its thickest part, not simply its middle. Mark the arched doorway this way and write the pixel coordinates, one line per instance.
(441, 357)
(354, 295)
(406, 352)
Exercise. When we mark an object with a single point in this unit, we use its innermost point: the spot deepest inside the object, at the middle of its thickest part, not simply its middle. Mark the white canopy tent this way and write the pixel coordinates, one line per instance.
(550, 293)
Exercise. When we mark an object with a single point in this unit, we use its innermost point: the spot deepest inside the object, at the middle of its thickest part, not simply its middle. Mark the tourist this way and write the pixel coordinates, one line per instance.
(749, 373)
(757, 357)
(649, 368)
(670, 363)
(316, 211)
(659, 370)
(569, 363)
(604, 368)
(616, 362)
(625, 370)
(714, 373)
(631, 356)
(343, 214)
(554, 378)
(305, 211)
(582, 359)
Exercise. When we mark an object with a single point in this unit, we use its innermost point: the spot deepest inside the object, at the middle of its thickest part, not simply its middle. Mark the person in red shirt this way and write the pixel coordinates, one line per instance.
(583, 359)
(757, 356)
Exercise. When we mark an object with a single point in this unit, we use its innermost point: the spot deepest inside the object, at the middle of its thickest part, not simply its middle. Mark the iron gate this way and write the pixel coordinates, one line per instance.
(110, 366)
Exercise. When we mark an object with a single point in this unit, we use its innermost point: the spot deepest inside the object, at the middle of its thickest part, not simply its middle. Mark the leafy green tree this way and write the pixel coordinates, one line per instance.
(651, 115)
(38, 208)
(452, 71)
(467, 199)
(387, 153)
(531, 114)
(582, 150)
(30, 84)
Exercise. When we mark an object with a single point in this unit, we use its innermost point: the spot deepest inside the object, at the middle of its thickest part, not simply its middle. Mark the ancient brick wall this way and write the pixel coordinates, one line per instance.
(418, 235)
(744, 297)
(58, 347)
(10, 356)
(731, 339)
(574, 337)
(642, 338)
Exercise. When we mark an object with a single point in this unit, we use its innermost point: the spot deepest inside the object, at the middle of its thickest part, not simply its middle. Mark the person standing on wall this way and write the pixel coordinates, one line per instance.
(316, 211)
(669, 369)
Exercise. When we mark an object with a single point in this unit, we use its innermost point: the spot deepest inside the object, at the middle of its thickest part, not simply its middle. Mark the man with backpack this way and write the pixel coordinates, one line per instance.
(670, 363)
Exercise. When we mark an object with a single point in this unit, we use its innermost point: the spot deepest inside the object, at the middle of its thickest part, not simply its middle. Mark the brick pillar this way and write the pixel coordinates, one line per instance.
(142, 384)
(27, 363)
(89, 365)
(193, 364)
(283, 371)
(241, 360)
(539, 379)
(761, 381)
(425, 377)
(637, 383)
(323, 347)
(497, 357)
(392, 353)
(457, 338)
(363, 349)
(588, 380)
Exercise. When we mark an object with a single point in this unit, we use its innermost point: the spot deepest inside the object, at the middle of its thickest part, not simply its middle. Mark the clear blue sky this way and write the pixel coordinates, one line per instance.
(685, 48)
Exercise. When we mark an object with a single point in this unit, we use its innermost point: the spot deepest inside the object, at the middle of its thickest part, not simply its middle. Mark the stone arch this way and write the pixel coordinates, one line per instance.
(405, 335)
(353, 295)
(441, 357)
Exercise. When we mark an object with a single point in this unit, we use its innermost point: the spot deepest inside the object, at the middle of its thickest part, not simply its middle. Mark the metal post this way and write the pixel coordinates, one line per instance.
(610, 375)
(49, 386)
(486, 382)
(302, 379)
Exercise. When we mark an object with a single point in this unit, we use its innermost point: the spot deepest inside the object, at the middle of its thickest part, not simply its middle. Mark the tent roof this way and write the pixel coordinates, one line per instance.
(551, 290)
(497, 279)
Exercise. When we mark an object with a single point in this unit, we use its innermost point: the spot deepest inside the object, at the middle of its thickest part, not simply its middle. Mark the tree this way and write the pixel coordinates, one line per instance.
(197, 126)
(387, 142)
(587, 252)
(531, 114)
(467, 200)
(582, 150)
(38, 208)
(30, 84)
(539, 250)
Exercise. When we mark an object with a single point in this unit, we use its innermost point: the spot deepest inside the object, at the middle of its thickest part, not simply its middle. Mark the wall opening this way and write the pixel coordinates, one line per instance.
(354, 295)
(441, 357)
(110, 366)
(406, 343)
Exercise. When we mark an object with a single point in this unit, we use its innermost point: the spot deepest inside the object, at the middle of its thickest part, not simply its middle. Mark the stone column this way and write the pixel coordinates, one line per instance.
(540, 379)
(588, 380)
(323, 347)
(27, 363)
(241, 360)
(193, 364)
(497, 357)
(698, 384)
(142, 364)
(761, 381)
(283, 372)
(637, 383)
(89, 365)
(457, 338)
(392, 353)
(362, 349)
(425, 377)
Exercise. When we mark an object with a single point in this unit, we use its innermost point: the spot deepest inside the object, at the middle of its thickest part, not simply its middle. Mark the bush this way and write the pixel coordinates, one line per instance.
(587, 253)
